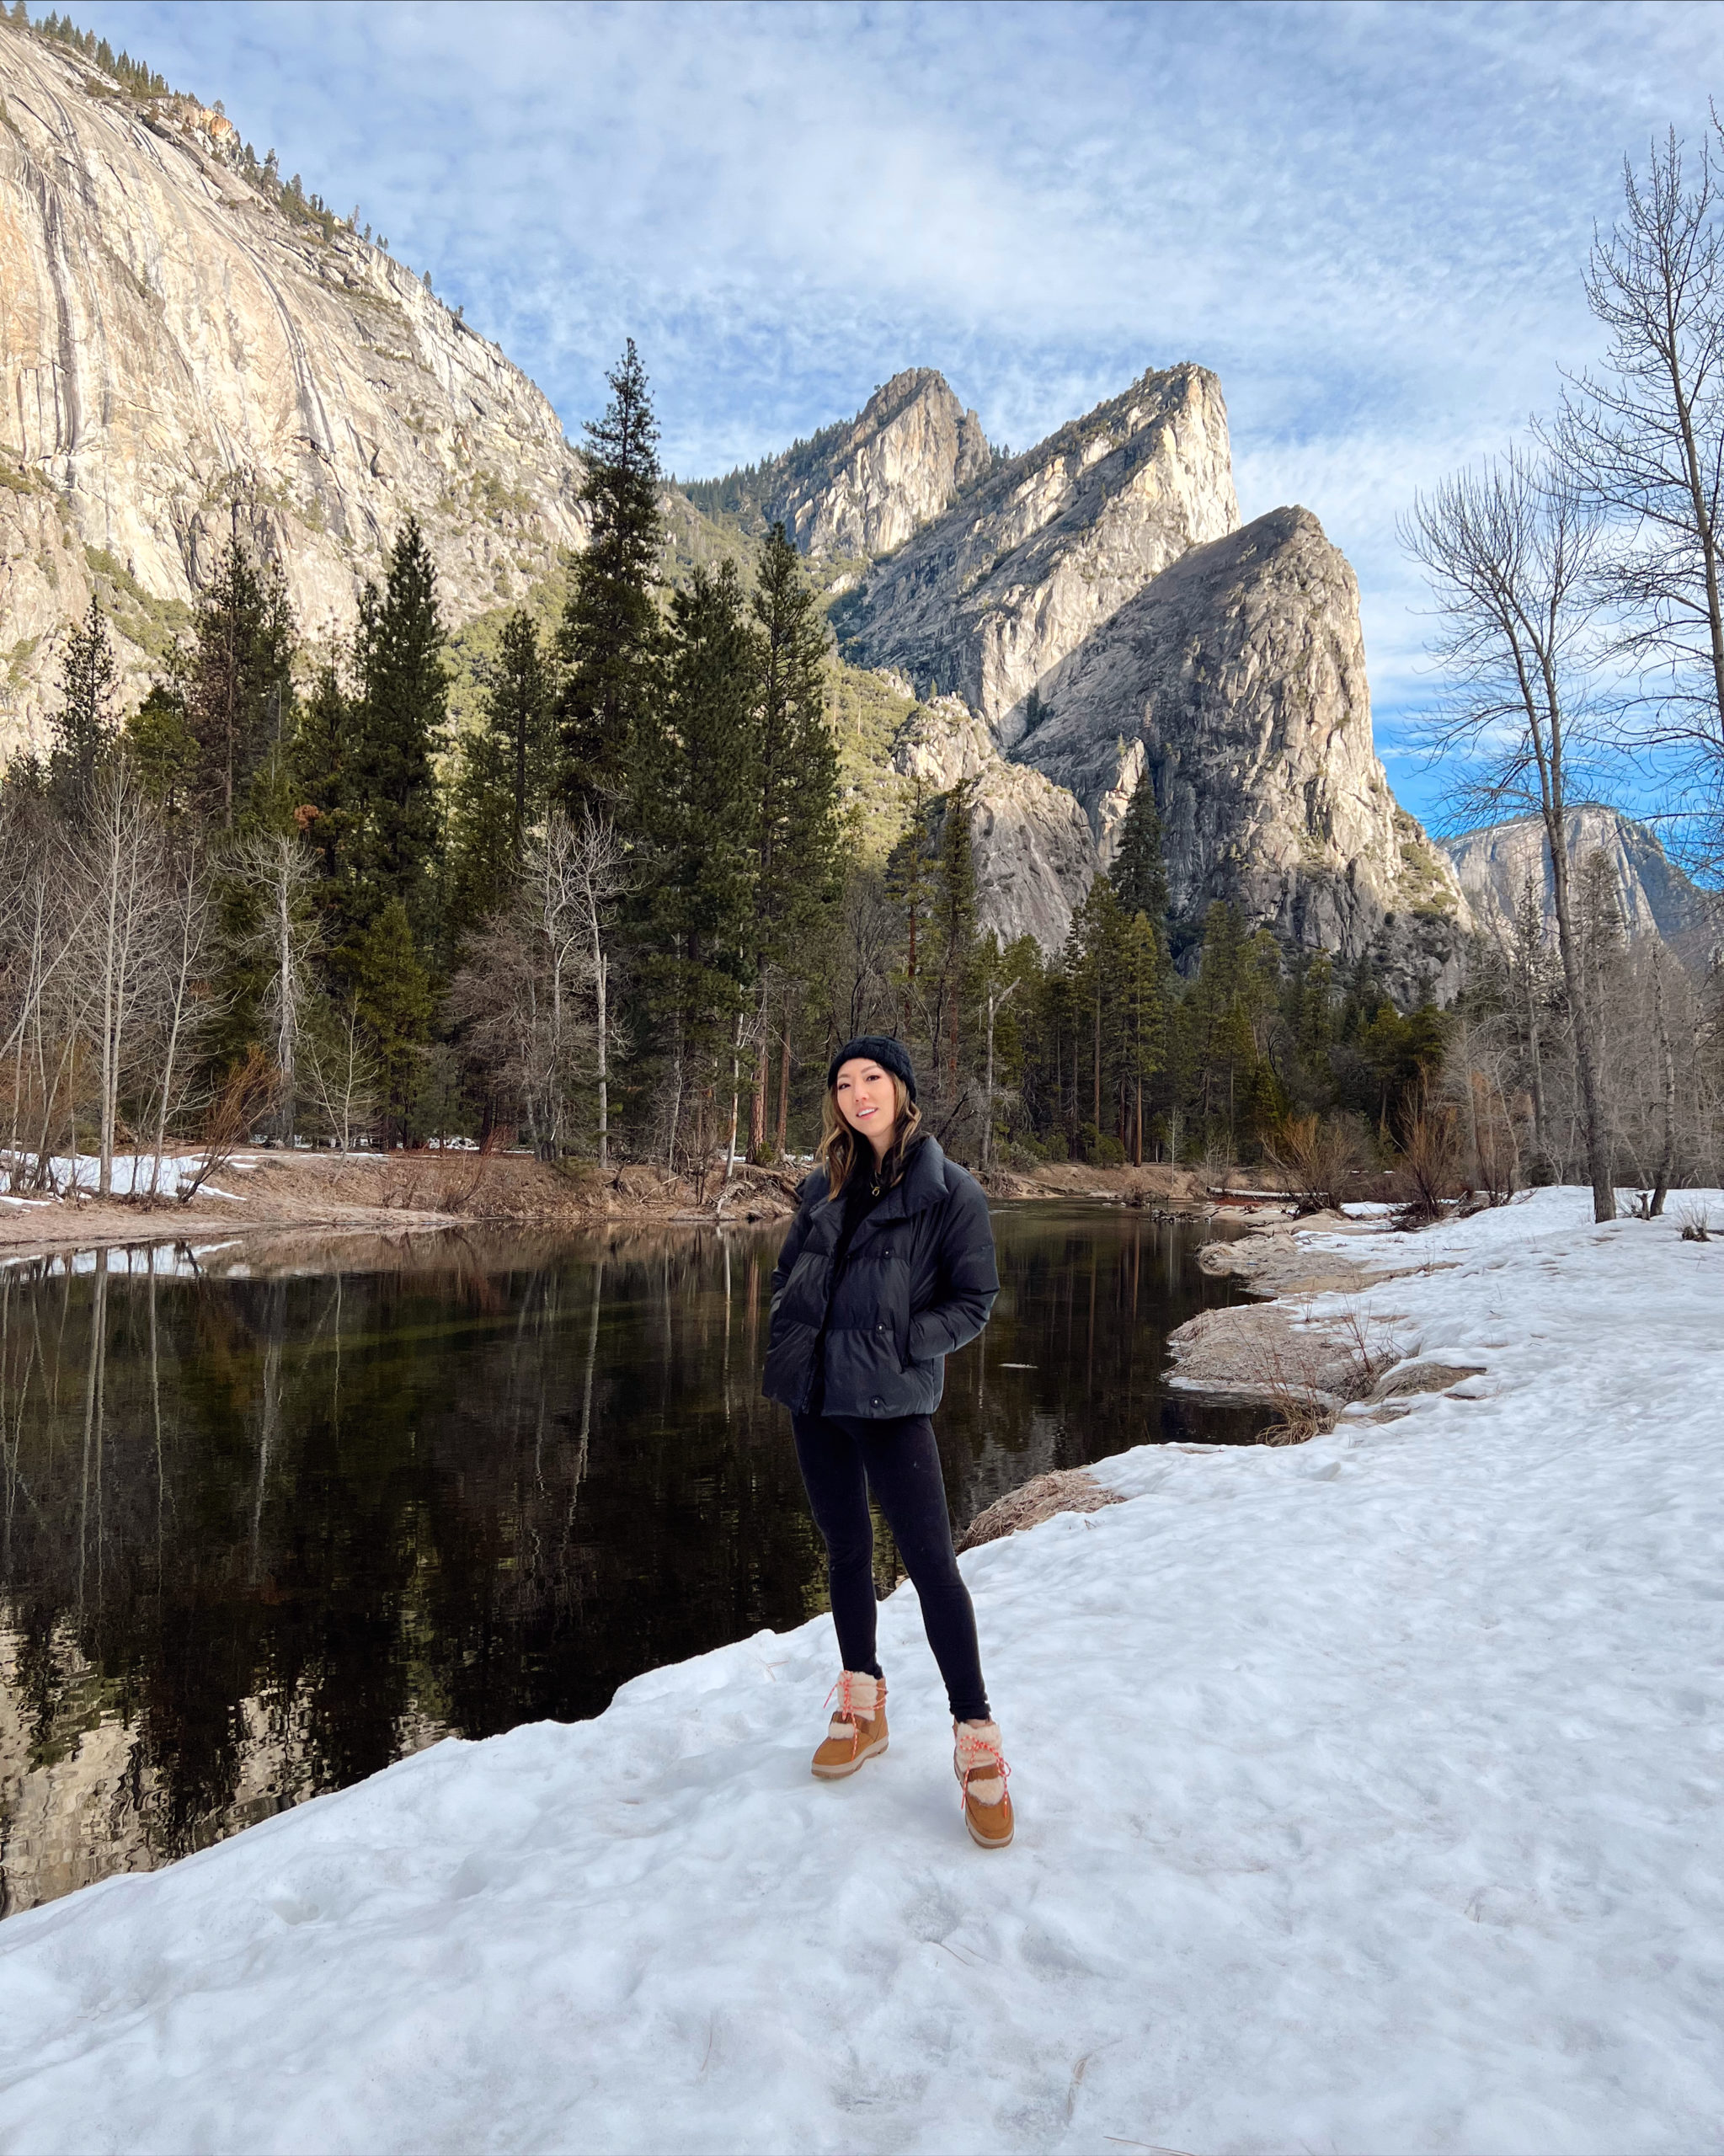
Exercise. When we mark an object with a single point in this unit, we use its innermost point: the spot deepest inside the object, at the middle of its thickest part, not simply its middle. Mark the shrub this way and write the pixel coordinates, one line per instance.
(1317, 1157)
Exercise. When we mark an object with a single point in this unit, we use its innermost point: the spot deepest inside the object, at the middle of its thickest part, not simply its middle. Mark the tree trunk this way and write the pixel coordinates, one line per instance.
(1585, 1062)
(757, 1105)
(601, 979)
(1667, 1159)
(783, 1085)
(735, 1098)
(288, 1027)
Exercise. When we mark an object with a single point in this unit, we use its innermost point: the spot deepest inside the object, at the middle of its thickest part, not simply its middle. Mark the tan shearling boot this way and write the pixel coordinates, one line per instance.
(858, 1725)
(982, 1774)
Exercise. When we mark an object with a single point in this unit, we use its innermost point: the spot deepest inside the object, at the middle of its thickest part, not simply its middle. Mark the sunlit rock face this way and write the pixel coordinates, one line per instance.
(1035, 857)
(180, 358)
(984, 602)
(862, 489)
(1496, 863)
(1236, 681)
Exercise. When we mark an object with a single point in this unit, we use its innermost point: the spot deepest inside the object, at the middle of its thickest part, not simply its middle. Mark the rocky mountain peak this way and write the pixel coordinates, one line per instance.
(984, 600)
(862, 487)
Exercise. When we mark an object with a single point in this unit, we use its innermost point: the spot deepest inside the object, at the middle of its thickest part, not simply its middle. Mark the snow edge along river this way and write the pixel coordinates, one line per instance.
(1368, 1799)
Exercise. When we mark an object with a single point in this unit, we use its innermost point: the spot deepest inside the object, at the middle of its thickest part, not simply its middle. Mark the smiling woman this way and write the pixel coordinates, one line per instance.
(889, 1267)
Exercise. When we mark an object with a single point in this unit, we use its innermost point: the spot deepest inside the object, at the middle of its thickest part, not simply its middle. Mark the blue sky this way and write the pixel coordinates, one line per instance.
(1370, 220)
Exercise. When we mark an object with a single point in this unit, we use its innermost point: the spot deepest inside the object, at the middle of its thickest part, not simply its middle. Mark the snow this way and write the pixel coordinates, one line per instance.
(131, 1172)
(1370, 1800)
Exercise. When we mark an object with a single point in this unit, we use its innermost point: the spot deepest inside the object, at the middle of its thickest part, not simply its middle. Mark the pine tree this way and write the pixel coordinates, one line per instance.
(1143, 1022)
(795, 820)
(158, 739)
(1094, 965)
(696, 802)
(317, 759)
(955, 942)
(238, 680)
(393, 1000)
(1140, 870)
(83, 725)
(609, 638)
(401, 713)
(507, 766)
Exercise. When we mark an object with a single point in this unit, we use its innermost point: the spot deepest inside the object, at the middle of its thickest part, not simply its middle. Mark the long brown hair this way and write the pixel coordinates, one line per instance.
(841, 1147)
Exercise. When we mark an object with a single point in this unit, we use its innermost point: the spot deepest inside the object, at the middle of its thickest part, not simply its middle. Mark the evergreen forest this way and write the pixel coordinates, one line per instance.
(627, 907)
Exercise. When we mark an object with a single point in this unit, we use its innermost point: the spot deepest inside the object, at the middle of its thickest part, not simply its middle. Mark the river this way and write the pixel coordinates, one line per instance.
(262, 1533)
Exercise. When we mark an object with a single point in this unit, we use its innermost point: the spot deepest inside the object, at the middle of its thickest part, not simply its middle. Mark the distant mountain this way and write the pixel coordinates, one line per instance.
(1091, 614)
(189, 348)
(861, 489)
(983, 601)
(1494, 862)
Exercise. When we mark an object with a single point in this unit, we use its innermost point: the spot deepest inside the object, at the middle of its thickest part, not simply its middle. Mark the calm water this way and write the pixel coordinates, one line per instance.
(261, 1534)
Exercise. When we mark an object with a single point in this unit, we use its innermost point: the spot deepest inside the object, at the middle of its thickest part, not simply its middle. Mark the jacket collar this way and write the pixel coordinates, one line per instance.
(922, 1184)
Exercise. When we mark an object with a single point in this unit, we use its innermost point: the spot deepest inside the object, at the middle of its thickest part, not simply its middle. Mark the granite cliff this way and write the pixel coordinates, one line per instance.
(861, 489)
(181, 356)
(1656, 898)
(1235, 683)
(1093, 614)
(984, 601)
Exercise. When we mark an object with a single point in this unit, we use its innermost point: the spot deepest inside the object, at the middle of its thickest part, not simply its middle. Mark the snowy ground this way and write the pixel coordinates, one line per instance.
(146, 1174)
(1368, 1801)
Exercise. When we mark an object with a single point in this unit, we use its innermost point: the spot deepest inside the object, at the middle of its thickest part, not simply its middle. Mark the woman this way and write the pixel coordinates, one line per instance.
(888, 1269)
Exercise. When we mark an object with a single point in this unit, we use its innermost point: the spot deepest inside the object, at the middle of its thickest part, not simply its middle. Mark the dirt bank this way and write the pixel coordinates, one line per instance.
(1311, 1364)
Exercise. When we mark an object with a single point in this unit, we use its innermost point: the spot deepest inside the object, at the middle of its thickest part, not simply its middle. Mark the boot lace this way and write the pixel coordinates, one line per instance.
(976, 1755)
(848, 1707)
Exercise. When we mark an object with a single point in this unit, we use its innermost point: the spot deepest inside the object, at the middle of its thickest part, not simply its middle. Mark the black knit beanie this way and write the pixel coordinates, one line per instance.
(889, 1054)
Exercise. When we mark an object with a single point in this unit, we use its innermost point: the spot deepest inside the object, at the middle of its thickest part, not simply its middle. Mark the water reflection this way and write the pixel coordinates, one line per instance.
(266, 1526)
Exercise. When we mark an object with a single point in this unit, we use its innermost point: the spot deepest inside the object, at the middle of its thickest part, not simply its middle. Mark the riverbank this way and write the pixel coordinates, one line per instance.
(1367, 1794)
(282, 1194)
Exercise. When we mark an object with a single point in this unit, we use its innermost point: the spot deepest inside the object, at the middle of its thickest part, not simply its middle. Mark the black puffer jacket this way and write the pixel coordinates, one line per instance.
(917, 1284)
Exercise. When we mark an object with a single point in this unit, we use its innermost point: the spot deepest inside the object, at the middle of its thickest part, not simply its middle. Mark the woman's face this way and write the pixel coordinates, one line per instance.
(866, 1101)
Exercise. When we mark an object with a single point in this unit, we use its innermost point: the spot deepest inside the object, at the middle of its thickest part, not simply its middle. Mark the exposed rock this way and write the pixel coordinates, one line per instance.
(180, 352)
(1018, 573)
(1236, 681)
(1267, 1352)
(903, 461)
(862, 487)
(1494, 863)
(1035, 857)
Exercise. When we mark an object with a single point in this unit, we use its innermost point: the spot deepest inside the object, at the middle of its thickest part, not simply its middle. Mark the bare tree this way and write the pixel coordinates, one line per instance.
(340, 1076)
(279, 876)
(1511, 555)
(520, 998)
(182, 939)
(115, 854)
(1642, 442)
(594, 867)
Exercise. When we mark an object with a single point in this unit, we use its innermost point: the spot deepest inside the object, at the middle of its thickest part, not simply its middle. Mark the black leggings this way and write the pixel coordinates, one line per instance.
(842, 1457)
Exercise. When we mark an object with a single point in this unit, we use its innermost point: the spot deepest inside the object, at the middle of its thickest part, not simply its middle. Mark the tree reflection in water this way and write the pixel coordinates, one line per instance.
(260, 1536)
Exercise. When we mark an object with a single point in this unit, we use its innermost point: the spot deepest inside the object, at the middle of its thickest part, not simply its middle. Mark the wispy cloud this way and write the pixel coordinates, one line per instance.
(1370, 220)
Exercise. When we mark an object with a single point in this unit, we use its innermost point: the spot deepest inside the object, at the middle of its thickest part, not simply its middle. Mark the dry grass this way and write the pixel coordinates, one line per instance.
(1310, 1378)
(1694, 1224)
(1067, 1490)
(1431, 1160)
